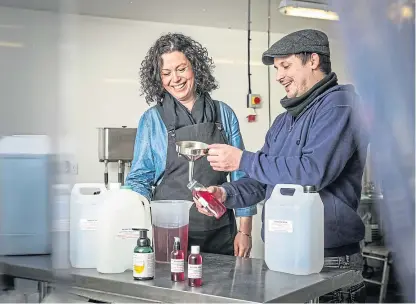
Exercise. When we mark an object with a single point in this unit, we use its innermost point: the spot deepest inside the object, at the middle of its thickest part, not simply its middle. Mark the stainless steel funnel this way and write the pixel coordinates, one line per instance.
(192, 151)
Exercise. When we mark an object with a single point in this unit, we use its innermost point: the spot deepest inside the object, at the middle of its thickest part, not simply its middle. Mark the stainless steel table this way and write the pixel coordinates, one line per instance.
(226, 279)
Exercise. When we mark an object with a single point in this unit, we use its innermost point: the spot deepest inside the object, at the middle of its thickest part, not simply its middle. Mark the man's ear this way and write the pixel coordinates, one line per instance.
(315, 61)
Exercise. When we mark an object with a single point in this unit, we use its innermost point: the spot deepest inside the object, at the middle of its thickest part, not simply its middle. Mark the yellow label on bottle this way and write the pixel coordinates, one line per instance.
(143, 265)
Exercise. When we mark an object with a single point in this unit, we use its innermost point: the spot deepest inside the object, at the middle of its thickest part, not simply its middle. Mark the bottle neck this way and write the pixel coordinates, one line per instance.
(195, 250)
(195, 186)
(143, 242)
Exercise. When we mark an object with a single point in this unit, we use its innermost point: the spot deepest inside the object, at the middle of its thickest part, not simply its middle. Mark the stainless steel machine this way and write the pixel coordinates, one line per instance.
(370, 197)
(370, 183)
(116, 145)
(192, 151)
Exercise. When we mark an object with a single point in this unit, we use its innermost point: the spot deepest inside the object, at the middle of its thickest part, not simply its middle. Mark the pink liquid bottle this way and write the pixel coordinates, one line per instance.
(177, 262)
(206, 199)
(195, 268)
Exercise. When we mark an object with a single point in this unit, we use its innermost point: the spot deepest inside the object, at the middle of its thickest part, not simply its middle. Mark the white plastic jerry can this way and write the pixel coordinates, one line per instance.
(86, 201)
(122, 210)
(294, 230)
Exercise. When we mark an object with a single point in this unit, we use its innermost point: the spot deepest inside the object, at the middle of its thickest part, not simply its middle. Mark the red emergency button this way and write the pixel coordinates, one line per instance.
(257, 100)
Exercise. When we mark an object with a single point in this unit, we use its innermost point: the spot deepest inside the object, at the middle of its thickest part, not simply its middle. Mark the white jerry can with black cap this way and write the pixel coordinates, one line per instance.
(294, 230)
(122, 211)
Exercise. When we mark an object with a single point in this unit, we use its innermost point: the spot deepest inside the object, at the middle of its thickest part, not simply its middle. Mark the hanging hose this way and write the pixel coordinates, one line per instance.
(248, 45)
(268, 68)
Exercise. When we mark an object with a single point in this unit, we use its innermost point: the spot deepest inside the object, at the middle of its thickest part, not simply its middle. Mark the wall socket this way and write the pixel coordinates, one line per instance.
(73, 168)
(67, 167)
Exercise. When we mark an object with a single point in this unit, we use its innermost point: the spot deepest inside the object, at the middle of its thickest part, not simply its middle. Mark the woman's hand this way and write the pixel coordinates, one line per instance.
(242, 245)
(202, 209)
(218, 192)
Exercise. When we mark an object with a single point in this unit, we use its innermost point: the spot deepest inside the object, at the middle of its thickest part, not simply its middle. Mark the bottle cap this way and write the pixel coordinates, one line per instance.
(143, 240)
(177, 243)
(191, 184)
(194, 249)
(195, 186)
(309, 189)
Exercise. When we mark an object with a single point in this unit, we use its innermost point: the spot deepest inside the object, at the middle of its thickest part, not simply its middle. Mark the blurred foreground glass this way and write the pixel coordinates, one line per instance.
(381, 58)
(37, 89)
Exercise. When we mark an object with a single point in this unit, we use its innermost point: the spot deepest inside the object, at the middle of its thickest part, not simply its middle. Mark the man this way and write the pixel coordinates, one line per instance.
(317, 141)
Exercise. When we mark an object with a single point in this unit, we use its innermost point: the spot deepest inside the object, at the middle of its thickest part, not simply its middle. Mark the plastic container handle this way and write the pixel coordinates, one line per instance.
(298, 188)
(147, 210)
(77, 187)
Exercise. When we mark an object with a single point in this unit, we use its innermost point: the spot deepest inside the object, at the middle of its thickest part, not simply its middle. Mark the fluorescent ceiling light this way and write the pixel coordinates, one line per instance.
(307, 9)
(10, 44)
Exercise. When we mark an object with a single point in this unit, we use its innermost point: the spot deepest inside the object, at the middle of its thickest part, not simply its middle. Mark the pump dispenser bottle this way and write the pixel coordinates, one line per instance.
(177, 262)
(143, 257)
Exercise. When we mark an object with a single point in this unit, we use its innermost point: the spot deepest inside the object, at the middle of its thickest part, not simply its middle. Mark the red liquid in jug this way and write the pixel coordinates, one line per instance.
(163, 239)
(215, 207)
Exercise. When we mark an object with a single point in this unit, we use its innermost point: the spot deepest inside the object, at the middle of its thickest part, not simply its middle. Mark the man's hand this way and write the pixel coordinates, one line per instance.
(224, 157)
(218, 192)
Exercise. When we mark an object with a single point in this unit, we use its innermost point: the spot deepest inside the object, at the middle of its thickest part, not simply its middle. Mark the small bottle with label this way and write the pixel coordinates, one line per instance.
(177, 262)
(143, 257)
(195, 267)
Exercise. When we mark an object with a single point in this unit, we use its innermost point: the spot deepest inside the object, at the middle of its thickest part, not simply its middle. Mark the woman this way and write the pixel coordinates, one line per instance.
(176, 74)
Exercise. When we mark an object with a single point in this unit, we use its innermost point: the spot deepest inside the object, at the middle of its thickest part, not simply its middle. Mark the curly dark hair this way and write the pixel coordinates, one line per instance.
(202, 66)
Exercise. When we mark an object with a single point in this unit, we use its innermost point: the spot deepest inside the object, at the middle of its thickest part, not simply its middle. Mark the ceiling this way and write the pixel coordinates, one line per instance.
(216, 13)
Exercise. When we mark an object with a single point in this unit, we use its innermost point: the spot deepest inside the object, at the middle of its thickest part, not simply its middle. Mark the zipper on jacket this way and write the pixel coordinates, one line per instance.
(294, 120)
(292, 123)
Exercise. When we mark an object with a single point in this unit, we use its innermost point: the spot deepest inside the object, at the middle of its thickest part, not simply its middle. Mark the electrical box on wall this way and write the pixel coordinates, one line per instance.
(253, 101)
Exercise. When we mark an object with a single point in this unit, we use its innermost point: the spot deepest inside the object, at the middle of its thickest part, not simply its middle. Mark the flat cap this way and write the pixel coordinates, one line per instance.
(303, 41)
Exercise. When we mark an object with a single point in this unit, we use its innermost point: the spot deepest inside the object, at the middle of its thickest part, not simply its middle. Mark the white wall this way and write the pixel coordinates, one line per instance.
(89, 75)
(28, 72)
(107, 54)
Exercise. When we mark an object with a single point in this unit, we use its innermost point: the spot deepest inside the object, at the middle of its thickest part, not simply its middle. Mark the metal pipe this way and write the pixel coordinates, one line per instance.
(121, 172)
(106, 173)
(128, 166)
(191, 170)
(42, 291)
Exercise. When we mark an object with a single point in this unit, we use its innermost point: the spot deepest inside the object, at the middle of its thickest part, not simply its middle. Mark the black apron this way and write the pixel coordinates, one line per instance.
(212, 235)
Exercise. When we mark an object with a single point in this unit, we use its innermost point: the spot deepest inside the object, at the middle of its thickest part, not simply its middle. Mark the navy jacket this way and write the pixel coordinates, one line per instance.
(325, 146)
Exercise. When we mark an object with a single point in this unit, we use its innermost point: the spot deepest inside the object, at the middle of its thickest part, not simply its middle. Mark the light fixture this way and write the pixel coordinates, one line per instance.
(307, 9)
(11, 44)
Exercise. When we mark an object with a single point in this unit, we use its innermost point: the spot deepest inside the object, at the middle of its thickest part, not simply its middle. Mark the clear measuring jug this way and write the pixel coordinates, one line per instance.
(170, 219)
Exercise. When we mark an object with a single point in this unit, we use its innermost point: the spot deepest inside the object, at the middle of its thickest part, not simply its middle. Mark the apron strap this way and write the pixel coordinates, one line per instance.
(171, 130)
(170, 126)
(218, 122)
